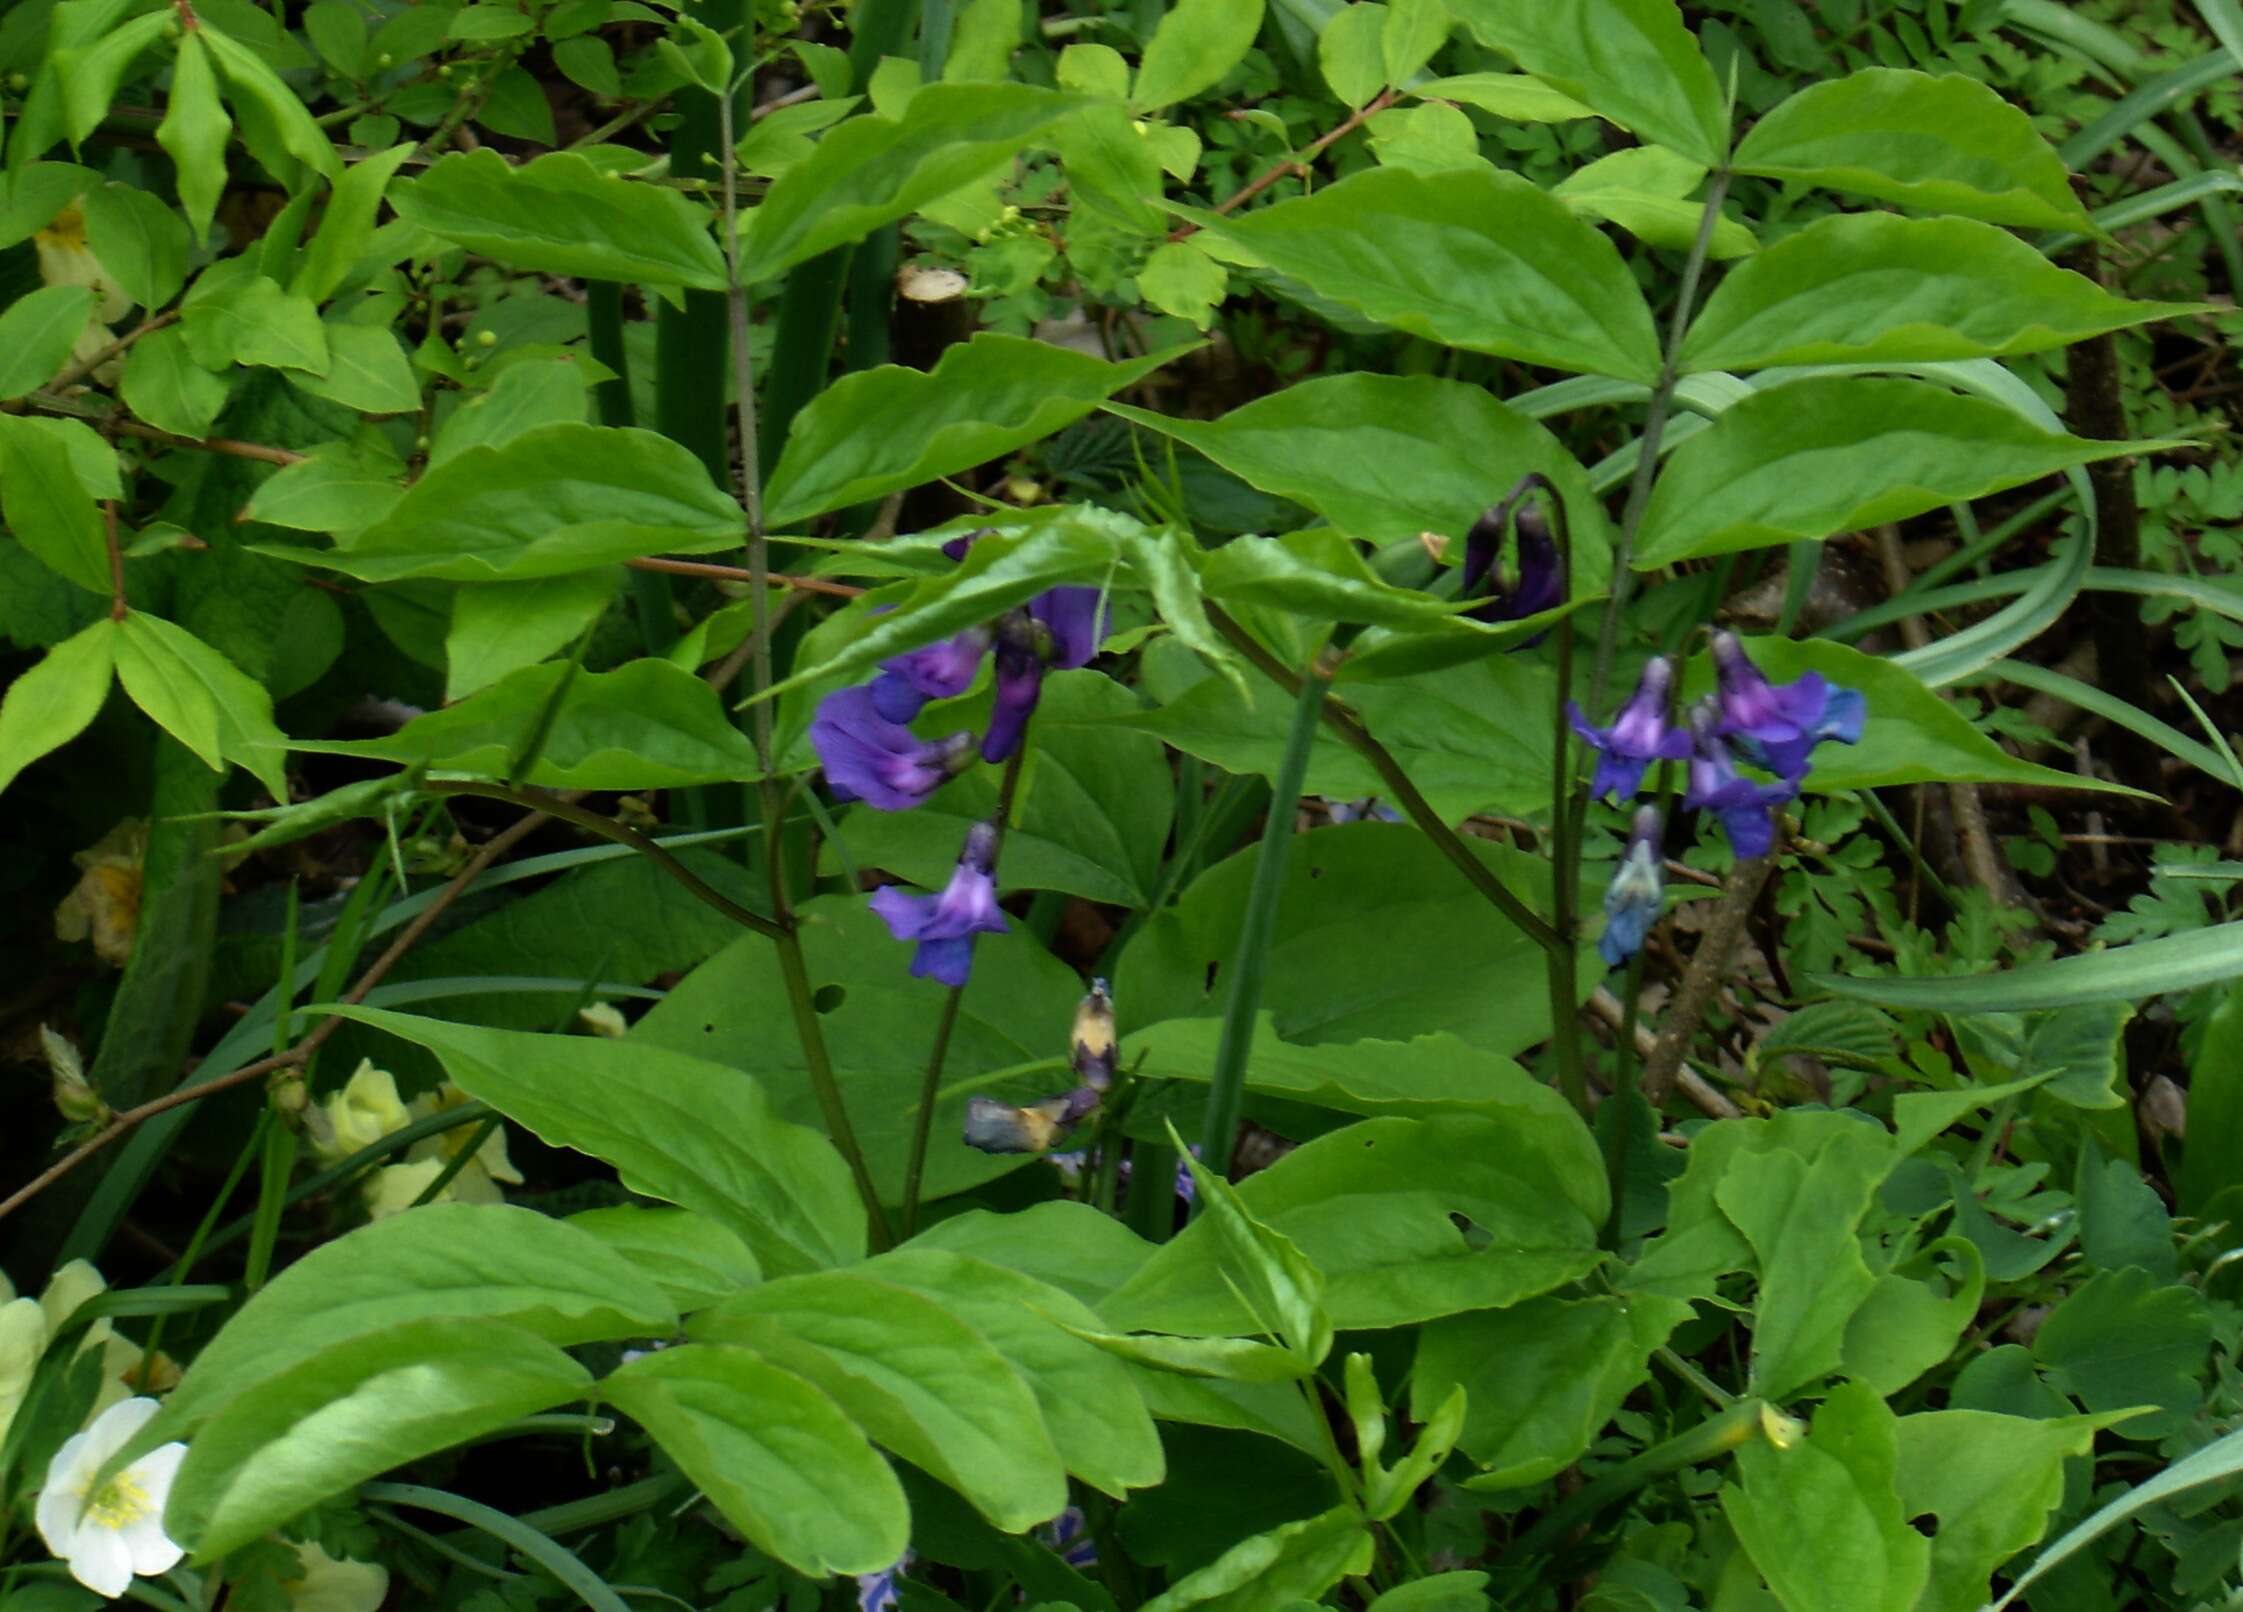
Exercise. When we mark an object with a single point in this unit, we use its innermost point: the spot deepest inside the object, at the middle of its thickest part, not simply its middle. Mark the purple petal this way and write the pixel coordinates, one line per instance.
(895, 699)
(949, 958)
(882, 763)
(1020, 683)
(1073, 618)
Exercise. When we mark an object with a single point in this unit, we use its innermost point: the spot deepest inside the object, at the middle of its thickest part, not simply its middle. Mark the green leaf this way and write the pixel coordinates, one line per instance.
(1469, 257)
(500, 627)
(554, 499)
(515, 106)
(1369, 925)
(37, 334)
(916, 1377)
(163, 385)
(1091, 817)
(1375, 1208)
(1631, 60)
(880, 430)
(1514, 97)
(346, 228)
(1282, 1568)
(616, 230)
(688, 1256)
(141, 242)
(367, 370)
(774, 1454)
(1914, 1315)
(452, 1263)
(1993, 1481)
(645, 725)
(1091, 1407)
(733, 1008)
(525, 396)
(2215, 1102)
(352, 1412)
(52, 703)
(194, 133)
(201, 698)
(1441, 1592)
(48, 508)
(1315, 573)
(89, 74)
(337, 487)
(1238, 1360)
(1823, 1521)
(1196, 44)
(1179, 278)
(1939, 145)
(2147, 968)
(1386, 457)
(1415, 31)
(274, 124)
(1838, 453)
(1874, 288)
(983, 37)
(241, 317)
(2123, 1340)
(1426, 1075)
(1912, 735)
(1542, 1379)
(1645, 191)
(1068, 543)
(873, 170)
(686, 1131)
(1279, 1288)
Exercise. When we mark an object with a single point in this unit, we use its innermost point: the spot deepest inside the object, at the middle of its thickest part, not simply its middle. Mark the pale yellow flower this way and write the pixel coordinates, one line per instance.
(368, 1109)
(105, 905)
(66, 259)
(361, 1114)
(27, 1325)
(331, 1585)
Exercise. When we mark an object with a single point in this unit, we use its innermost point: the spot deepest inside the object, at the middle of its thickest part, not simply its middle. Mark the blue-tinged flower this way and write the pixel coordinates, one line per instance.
(1367, 810)
(1743, 806)
(1068, 1535)
(1093, 1053)
(1776, 726)
(938, 671)
(1631, 901)
(882, 763)
(945, 925)
(1539, 587)
(1020, 684)
(1075, 624)
(876, 1592)
(1638, 736)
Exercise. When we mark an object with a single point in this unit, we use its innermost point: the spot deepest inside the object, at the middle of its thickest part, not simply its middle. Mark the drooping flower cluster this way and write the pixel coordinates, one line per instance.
(368, 1108)
(1772, 727)
(945, 925)
(1539, 583)
(998, 1127)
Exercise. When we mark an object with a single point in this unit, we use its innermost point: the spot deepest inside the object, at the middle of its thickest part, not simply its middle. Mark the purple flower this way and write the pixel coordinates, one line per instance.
(876, 1592)
(1631, 901)
(945, 925)
(1072, 618)
(1539, 587)
(1638, 736)
(882, 763)
(1777, 726)
(938, 671)
(1068, 1534)
(1020, 684)
(1742, 805)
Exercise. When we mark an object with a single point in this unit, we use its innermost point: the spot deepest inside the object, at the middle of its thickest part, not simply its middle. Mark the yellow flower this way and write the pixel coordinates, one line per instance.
(368, 1109)
(66, 259)
(361, 1114)
(105, 905)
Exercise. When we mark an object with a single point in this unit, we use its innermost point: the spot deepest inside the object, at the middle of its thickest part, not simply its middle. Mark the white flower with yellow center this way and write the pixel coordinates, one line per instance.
(66, 259)
(109, 1534)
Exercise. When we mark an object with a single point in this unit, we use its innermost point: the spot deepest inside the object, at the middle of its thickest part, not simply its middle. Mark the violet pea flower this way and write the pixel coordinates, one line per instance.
(876, 1592)
(1539, 587)
(882, 763)
(1075, 623)
(945, 925)
(1638, 736)
(937, 671)
(1020, 684)
(1744, 807)
(1631, 901)
(1777, 726)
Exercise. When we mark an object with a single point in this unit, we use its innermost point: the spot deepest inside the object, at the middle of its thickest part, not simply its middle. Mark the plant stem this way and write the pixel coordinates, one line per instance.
(1561, 965)
(792, 968)
(1226, 1091)
(1733, 1428)
(1654, 427)
(1398, 786)
(922, 1124)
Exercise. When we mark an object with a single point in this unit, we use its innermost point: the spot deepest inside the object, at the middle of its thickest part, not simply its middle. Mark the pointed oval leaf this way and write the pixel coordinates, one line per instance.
(1469, 257)
(1632, 60)
(986, 397)
(52, 703)
(352, 1412)
(36, 336)
(616, 230)
(1940, 145)
(1871, 287)
(2144, 969)
(1836, 454)
(1195, 45)
(772, 1452)
(692, 1133)
(226, 714)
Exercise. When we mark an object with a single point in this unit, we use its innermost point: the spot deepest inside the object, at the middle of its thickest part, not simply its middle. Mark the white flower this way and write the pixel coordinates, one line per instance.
(109, 1535)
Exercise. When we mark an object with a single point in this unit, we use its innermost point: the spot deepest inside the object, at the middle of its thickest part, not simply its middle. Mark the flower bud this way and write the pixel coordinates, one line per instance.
(1094, 1052)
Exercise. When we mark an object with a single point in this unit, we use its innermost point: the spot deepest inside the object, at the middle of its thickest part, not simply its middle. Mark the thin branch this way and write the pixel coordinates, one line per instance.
(117, 606)
(1297, 166)
(1702, 978)
(84, 367)
(738, 573)
(232, 447)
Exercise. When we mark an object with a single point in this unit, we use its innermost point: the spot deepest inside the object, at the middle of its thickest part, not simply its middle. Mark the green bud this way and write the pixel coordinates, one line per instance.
(486, 338)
